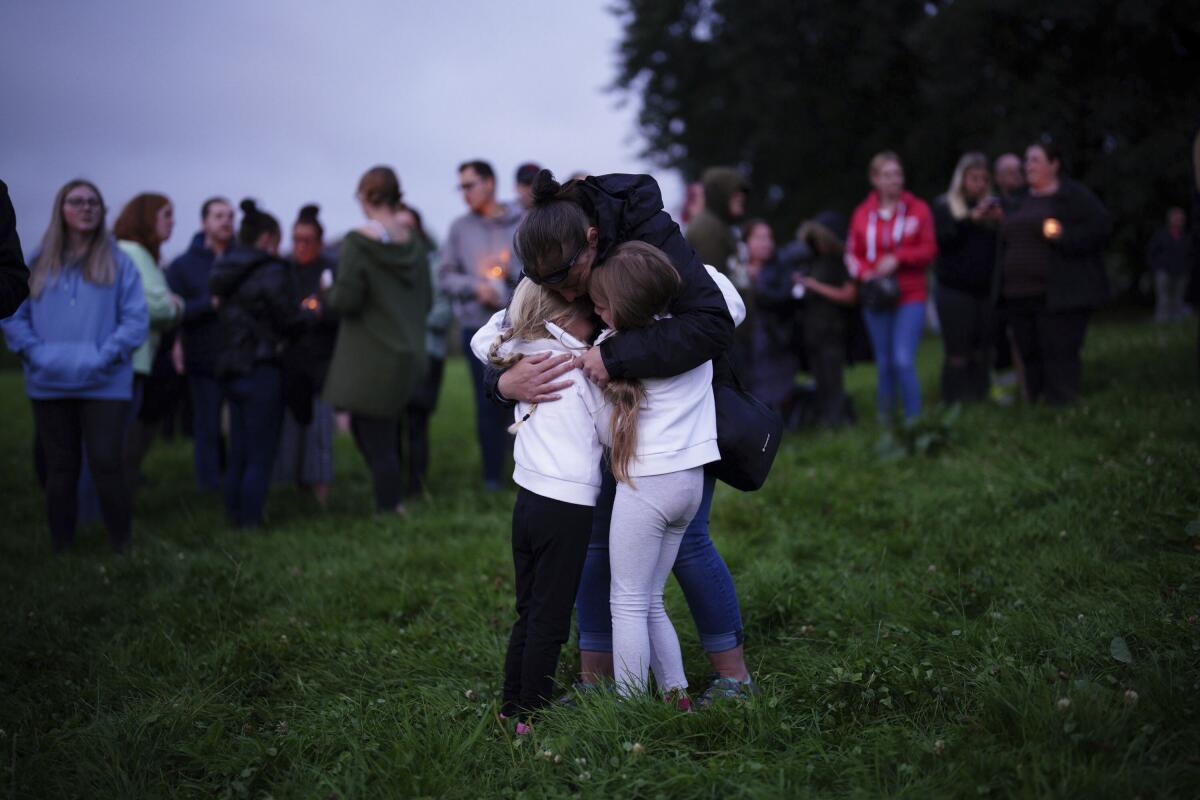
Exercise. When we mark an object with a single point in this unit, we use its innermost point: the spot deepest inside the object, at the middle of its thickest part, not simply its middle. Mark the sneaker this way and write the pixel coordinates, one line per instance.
(524, 728)
(726, 689)
(679, 699)
(571, 697)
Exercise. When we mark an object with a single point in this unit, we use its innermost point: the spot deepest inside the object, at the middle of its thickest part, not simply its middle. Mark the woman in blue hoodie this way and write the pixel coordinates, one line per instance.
(76, 334)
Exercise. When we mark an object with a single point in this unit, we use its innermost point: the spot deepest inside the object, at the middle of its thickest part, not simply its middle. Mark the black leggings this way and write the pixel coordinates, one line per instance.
(967, 336)
(376, 440)
(64, 427)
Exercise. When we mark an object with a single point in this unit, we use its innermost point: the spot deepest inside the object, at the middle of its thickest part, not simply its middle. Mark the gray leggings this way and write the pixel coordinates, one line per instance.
(648, 521)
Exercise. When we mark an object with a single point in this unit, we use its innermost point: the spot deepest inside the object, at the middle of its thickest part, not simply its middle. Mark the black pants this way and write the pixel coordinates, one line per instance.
(826, 362)
(376, 440)
(967, 334)
(63, 428)
(1049, 343)
(549, 543)
(415, 427)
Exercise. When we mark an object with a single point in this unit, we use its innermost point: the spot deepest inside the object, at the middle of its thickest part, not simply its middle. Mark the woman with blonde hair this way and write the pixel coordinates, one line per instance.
(966, 217)
(76, 334)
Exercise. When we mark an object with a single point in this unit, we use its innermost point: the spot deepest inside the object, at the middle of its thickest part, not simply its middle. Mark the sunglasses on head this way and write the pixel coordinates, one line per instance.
(557, 276)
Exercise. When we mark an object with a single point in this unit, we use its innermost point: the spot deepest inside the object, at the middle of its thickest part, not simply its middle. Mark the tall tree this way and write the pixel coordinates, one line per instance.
(799, 95)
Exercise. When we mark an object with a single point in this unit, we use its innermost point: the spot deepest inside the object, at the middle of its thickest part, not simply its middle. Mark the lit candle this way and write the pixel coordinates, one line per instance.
(1051, 228)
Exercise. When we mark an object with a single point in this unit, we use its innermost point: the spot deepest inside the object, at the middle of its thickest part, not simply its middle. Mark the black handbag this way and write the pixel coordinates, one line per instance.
(880, 294)
(748, 434)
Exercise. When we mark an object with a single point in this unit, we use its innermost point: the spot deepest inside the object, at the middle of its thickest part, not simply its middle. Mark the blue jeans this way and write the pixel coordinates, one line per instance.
(490, 425)
(701, 572)
(255, 417)
(206, 429)
(895, 334)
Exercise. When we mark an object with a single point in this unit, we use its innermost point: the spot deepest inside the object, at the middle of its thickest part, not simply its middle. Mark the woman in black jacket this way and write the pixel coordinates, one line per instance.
(966, 218)
(258, 313)
(1051, 274)
(569, 232)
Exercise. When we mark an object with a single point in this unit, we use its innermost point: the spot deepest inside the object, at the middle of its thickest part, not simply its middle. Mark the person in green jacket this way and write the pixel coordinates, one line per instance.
(143, 225)
(712, 234)
(382, 293)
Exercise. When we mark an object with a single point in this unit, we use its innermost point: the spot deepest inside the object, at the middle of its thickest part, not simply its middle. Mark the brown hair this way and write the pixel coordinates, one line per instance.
(379, 186)
(636, 283)
(138, 221)
(554, 227)
(97, 261)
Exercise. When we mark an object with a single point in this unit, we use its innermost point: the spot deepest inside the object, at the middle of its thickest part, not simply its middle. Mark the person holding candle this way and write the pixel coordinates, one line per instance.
(306, 444)
(478, 272)
(1051, 274)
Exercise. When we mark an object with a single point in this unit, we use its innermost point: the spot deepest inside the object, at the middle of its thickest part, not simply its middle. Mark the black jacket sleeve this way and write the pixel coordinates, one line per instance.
(1086, 223)
(14, 275)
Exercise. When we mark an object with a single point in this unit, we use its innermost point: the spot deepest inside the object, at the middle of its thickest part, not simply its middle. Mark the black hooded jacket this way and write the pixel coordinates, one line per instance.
(14, 276)
(259, 311)
(628, 208)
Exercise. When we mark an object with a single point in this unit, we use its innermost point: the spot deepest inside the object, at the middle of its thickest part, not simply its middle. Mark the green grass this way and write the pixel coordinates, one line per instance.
(914, 623)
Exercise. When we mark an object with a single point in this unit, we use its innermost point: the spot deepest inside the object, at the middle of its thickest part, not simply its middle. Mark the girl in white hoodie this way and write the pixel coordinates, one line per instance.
(660, 432)
(557, 455)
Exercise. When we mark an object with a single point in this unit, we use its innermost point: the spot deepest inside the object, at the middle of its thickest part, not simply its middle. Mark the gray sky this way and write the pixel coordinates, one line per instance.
(289, 102)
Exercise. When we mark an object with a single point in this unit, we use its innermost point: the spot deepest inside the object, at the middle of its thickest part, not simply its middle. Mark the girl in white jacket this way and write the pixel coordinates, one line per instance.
(661, 432)
(557, 455)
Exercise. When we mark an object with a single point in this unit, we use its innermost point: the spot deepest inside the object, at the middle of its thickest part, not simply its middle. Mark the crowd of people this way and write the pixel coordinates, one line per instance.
(595, 329)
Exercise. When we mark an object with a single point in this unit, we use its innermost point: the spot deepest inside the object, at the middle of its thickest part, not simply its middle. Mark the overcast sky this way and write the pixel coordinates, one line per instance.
(289, 102)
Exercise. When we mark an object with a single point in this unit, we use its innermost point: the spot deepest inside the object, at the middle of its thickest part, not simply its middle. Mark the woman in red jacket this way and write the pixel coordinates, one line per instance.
(892, 242)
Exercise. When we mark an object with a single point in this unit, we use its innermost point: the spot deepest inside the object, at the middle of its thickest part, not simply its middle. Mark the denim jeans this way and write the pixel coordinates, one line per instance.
(206, 429)
(895, 334)
(255, 416)
(701, 572)
(490, 424)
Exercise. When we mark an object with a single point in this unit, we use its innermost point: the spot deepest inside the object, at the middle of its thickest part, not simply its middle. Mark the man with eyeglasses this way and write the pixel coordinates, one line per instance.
(478, 271)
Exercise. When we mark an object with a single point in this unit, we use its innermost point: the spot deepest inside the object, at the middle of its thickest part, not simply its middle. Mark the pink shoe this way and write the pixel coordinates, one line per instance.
(679, 699)
(524, 729)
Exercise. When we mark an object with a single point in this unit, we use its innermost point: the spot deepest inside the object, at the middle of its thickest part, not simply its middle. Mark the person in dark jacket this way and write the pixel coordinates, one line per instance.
(771, 315)
(1051, 274)
(713, 233)
(1169, 257)
(966, 218)
(829, 298)
(306, 444)
(14, 275)
(569, 232)
(201, 335)
(258, 314)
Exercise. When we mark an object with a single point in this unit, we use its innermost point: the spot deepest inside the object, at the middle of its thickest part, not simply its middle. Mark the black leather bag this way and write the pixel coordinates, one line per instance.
(748, 434)
(880, 294)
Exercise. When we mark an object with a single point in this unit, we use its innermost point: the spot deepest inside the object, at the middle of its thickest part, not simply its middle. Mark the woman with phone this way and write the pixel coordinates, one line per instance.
(966, 218)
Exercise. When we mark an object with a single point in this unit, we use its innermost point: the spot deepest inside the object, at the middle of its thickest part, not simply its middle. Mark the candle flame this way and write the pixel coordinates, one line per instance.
(496, 271)
(1051, 228)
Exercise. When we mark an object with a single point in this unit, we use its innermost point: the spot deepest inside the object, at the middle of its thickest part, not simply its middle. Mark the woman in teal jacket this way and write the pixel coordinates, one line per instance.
(76, 334)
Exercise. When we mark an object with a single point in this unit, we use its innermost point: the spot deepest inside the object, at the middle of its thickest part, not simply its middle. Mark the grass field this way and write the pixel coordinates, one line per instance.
(1014, 616)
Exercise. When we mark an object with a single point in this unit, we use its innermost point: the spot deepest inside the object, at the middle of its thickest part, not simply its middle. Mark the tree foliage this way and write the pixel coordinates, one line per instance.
(799, 95)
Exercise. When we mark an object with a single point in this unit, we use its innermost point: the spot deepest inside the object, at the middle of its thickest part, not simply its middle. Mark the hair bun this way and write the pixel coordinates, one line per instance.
(249, 207)
(545, 188)
(309, 212)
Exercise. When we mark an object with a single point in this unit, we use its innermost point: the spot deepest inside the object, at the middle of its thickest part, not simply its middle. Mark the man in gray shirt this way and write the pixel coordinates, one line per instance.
(478, 271)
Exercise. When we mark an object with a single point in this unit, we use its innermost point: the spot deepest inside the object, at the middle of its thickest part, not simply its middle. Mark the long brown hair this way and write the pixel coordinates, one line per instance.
(97, 261)
(138, 221)
(637, 284)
